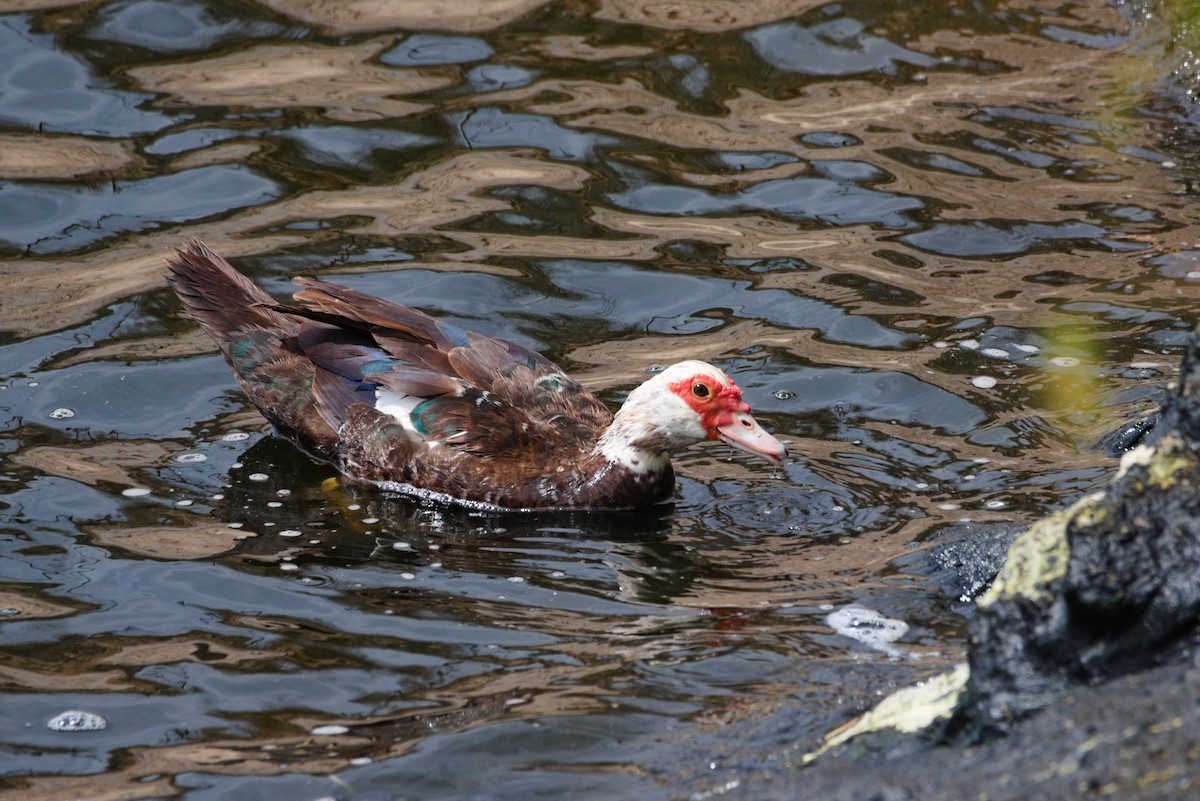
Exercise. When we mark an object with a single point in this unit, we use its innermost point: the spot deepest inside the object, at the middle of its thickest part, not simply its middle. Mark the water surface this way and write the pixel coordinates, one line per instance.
(942, 247)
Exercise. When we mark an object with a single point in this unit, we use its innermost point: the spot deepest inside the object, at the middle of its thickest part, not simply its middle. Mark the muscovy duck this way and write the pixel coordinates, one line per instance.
(390, 395)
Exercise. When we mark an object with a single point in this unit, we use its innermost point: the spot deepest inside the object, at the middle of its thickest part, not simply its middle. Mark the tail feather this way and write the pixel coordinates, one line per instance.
(220, 298)
(257, 342)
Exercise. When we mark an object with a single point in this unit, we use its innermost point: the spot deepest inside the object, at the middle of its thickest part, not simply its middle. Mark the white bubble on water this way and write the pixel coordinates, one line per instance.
(235, 436)
(77, 720)
(1064, 361)
(189, 457)
(135, 492)
(290, 532)
(983, 381)
(996, 353)
(62, 413)
(258, 477)
(868, 627)
(328, 730)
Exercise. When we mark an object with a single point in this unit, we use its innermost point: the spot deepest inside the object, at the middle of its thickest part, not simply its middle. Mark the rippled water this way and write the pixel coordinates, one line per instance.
(942, 246)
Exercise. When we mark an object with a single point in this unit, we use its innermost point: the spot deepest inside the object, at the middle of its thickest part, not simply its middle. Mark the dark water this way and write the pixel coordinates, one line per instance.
(943, 247)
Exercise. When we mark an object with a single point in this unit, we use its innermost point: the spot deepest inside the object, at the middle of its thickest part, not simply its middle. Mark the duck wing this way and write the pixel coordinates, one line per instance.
(445, 387)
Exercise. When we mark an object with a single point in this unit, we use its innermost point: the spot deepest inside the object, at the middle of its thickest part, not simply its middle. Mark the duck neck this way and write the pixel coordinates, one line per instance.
(631, 442)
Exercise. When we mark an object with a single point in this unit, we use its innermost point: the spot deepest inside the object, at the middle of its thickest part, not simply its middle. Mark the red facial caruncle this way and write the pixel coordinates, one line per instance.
(715, 402)
(725, 416)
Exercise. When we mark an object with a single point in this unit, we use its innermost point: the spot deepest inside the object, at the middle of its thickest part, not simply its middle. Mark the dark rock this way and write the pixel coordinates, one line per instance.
(1098, 590)
(1136, 737)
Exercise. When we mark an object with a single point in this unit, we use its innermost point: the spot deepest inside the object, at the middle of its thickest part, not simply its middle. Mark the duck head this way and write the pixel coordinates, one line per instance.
(688, 402)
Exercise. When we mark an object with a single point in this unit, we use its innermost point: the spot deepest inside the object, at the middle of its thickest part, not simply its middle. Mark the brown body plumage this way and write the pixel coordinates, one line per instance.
(391, 395)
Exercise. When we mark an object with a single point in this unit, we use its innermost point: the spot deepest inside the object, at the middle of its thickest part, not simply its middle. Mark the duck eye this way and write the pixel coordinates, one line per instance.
(701, 390)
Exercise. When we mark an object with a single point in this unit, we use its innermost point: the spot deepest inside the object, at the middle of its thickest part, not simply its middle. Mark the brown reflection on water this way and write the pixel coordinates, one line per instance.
(110, 462)
(356, 16)
(339, 80)
(53, 157)
(712, 16)
(169, 542)
(28, 602)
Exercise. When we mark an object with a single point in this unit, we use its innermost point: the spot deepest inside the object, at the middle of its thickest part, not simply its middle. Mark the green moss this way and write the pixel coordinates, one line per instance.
(1039, 555)
(1171, 461)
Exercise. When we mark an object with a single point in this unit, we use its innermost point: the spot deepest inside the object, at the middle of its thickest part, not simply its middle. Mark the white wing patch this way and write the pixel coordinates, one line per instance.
(399, 406)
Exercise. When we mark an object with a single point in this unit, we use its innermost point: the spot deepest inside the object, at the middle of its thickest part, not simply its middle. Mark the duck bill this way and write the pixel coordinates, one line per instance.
(744, 432)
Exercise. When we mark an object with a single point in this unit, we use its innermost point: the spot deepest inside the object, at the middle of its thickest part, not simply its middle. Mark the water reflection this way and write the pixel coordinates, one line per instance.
(941, 252)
